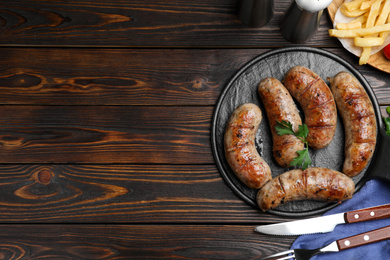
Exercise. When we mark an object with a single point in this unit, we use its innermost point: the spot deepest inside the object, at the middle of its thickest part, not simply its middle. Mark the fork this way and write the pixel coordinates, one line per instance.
(336, 246)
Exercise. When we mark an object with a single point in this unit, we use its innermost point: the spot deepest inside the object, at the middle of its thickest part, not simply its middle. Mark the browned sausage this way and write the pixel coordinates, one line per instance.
(240, 150)
(280, 106)
(317, 103)
(314, 183)
(360, 125)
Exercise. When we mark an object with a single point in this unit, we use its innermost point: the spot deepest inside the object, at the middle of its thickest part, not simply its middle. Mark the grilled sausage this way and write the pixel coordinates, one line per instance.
(279, 106)
(360, 125)
(317, 103)
(240, 150)
(314, 183)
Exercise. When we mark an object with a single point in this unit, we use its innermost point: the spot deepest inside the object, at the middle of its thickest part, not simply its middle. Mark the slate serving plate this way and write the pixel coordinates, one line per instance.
(242, 88)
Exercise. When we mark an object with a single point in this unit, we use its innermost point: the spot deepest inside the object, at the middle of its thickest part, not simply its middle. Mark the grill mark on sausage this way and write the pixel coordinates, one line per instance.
(250, 160)
(281, 185)
(359, 116)
(283, 190)
(288, 141)
(304, 179)
(309, 85)
(241, 125)
(322, 104)
(237, 147)
(321, 127)
(354, 97)
(369, 142)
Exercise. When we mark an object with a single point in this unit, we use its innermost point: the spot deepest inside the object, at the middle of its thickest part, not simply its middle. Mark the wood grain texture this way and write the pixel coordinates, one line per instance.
(108, 134)
(105, 134)
(139, 23)
(158, 77)
(105, 128)
(117, 76)
(113, 193)
(137, 242)
(121, 194)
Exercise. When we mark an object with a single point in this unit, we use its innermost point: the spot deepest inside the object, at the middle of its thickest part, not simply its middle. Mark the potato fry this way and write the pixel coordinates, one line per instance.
(348, 26)
(360, 32)
(354, 24)
(368, 41)
(362, 18)
(373, 14)
(371, 19)
(384, 14)
(354, 13)
(370, 28)
(353, 5)
(365, 55)
(366, 5)
(384, 35)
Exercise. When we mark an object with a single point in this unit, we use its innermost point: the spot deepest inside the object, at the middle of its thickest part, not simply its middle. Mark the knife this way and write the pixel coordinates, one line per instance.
(366, 238)
(325, 223)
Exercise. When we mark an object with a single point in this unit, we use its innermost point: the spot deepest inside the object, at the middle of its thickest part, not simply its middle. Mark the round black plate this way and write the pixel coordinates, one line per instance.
(242, 88)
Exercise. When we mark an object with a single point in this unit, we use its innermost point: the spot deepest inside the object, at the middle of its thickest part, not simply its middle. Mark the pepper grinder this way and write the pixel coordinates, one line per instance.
(301, 20)
(256, 13)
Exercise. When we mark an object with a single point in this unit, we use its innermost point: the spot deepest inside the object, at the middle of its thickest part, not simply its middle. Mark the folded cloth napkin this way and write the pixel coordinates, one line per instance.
(373, 193)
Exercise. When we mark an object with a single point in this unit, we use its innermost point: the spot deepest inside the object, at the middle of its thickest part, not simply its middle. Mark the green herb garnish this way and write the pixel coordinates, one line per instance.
(303, 158)
(387, 121)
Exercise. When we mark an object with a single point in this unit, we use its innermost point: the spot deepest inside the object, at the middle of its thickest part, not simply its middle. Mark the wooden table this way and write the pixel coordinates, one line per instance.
(106, 110)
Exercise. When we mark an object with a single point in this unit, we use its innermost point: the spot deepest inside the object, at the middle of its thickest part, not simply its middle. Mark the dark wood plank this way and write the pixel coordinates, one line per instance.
(117, 76)
(192, 192)
(109, 134)
(140, 23)
(121, 194)
(137, 242)
(105, 134)
(51, 76)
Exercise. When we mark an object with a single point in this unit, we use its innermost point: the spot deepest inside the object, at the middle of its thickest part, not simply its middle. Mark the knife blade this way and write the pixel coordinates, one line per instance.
(325, 223)
(365, 238)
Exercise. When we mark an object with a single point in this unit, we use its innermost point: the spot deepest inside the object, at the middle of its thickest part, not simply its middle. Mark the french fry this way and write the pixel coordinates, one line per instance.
(353, 13)
(360, 32)
(365, 55)
(371, 18)
(384, 35)
(348, 26)
(384, 14)
(370, 27)
(362, 18)
(366, 5)
(368, 41)
(354, 24)
(353, 5)
(373, 14)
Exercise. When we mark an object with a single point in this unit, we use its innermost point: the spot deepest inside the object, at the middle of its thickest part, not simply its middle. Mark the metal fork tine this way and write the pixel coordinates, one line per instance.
(282, 255)
(287, 257)
(282, 258)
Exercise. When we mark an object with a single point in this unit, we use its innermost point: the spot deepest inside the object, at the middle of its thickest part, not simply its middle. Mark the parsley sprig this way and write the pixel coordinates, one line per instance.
(387, 121)
(303, 158)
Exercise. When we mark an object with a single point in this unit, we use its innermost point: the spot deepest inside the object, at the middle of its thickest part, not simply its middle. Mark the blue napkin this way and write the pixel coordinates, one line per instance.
(373, 193)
